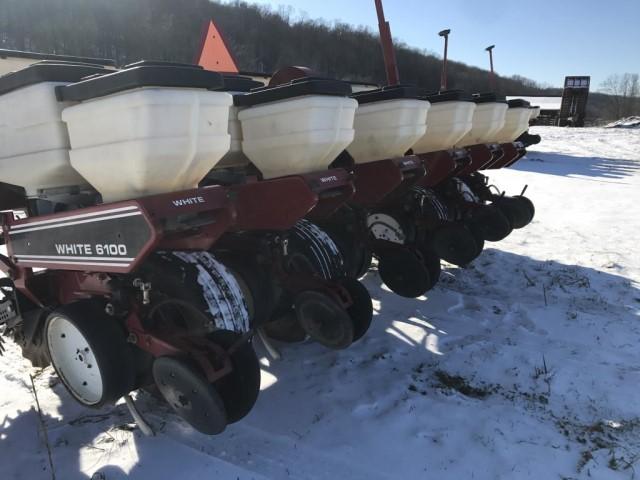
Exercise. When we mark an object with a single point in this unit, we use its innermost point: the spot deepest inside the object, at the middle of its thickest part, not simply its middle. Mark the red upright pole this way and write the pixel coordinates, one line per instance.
(391, 66)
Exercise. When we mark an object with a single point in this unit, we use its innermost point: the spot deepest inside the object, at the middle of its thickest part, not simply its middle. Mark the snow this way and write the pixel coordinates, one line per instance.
(545, 103)
(628, 122)
(523, 365)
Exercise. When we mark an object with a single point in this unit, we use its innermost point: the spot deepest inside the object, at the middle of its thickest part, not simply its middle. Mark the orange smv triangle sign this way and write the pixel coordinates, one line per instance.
(214, 54)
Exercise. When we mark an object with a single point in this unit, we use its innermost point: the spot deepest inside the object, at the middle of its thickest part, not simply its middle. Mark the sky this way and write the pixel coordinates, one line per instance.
(540, 39)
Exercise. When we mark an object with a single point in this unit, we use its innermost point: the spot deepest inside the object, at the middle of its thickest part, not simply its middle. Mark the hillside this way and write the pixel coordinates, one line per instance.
(261, 39)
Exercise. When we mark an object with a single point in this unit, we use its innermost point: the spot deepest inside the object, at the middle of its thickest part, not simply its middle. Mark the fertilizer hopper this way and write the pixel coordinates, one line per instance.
(150, 128)
(34, 144)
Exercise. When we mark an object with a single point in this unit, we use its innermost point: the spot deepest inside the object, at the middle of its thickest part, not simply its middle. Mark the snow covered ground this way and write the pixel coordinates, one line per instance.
(524, 365)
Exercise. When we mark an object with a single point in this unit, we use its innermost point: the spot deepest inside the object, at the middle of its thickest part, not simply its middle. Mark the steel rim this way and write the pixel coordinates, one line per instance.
(74, 360)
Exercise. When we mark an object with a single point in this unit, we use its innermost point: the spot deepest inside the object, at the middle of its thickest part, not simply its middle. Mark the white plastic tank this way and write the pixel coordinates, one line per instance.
(34, 144)
(148, 129)
(516, 121)
(236, 85)
(297, 127)
(534, 113)
(450, 118)
(488, 119)
(387, 123)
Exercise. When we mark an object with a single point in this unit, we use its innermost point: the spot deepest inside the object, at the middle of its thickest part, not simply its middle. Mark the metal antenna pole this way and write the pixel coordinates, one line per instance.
(443, 78)
(492, 75)
(391, 66)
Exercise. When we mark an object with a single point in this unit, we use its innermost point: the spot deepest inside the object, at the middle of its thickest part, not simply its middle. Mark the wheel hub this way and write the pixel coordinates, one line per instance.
(75, 360)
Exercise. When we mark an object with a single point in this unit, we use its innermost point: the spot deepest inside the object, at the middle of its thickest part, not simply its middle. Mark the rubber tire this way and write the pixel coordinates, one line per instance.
(239, 390)
(176, 278)
(357, 258)
(455, 243)
(258, 282)
(312, 251)
(403, 272)
(361, 311)
(108, 341)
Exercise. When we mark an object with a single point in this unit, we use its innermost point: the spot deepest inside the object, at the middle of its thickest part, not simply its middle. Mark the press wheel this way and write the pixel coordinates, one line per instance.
(361, 311)
(239, 389)
(403, 272)
(456, 244)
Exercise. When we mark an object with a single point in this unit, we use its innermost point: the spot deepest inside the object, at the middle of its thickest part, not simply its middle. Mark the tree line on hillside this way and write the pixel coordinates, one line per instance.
(261, 40)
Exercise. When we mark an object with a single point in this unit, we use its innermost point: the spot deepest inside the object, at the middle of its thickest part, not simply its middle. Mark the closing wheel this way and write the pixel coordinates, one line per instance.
(239, 389)
(490, 223)
(361, 311)
(515, 210)
(456, 244)
(189, 393)
(324, 320)
(403, 272)
(89, 352)
(530, 206)
(432, 263)
(285, 328)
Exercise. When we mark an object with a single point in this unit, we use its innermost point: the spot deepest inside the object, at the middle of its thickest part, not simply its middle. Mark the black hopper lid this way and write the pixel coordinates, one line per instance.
(449, 96)
(391, 92)
(240, 83)
(295, 88)
(142, 74)
(48, 71)
(518, 103)
(488, 97)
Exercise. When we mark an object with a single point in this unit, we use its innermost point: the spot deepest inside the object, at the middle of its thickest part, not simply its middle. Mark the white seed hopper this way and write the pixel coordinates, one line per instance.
(297, 127)
(534, 113)
(236, 85)
(34, 144)
(147, 129)
(387, 123)
(450, 118)
(516, 121)
(488, 119)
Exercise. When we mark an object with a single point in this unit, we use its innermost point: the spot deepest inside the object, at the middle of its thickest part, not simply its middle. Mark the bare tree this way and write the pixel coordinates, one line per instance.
(624, 94)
